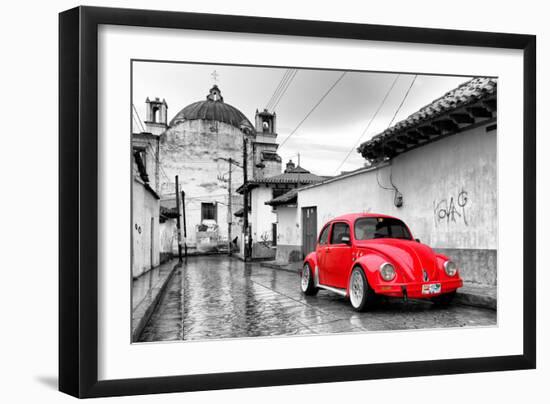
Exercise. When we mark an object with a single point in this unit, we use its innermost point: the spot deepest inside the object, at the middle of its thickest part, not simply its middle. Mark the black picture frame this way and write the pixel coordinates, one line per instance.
(78, 201)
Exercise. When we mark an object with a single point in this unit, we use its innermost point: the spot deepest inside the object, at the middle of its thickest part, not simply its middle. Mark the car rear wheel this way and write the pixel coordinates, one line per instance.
(444, 299)
(307, 283)
(361, 294)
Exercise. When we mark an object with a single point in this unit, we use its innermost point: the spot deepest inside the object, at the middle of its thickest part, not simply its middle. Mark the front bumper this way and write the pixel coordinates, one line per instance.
(413, 290)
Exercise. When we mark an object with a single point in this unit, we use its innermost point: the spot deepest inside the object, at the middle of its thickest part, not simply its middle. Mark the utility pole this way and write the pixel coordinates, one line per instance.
(229, 213)
(184, 222)
(178, 225)
(231, 162)
(245, 196)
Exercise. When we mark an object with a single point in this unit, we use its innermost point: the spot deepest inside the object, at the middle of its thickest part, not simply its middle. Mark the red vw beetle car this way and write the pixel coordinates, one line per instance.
(363, 256)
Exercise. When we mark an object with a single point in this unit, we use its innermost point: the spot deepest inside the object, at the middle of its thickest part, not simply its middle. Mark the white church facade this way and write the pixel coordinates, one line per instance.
(203, 144)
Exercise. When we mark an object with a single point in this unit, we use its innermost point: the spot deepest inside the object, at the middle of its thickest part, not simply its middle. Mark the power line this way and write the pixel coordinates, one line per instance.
(289, 82)
(135, 122)
(287, 74)
(403, 100)
(394, 188)
(157, 157)
(313, 109)
(277, 88)
(138, 117)
(369, 123)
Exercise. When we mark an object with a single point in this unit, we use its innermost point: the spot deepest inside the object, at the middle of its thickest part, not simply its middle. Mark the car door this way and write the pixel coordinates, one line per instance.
(321, 251)
(338, 255)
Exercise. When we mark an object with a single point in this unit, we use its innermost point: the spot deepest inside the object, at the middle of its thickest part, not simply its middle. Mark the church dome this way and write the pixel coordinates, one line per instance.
(212, 109)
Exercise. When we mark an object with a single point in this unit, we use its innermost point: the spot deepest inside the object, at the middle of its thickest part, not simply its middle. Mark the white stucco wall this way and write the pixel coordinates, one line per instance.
(168, 236)
(288, 226)
(449, 189)
(262, 215)
(145, 212)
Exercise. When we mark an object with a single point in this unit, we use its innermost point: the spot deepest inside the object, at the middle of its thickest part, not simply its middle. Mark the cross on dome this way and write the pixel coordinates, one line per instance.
(215, 76)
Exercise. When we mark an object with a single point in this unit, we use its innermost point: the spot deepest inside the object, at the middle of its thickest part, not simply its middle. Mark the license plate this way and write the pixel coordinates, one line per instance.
(431, 289)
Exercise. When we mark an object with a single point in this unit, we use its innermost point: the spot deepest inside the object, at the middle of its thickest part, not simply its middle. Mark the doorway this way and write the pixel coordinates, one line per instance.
(309, 229)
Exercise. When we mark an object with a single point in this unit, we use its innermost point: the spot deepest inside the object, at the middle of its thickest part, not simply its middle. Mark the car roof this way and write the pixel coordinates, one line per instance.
(352, 216)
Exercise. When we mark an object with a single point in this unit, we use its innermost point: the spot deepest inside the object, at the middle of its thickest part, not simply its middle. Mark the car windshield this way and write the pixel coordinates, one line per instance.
(368, 228)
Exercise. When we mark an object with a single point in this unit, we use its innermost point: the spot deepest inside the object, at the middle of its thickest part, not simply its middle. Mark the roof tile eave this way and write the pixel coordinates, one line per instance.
(478, 89)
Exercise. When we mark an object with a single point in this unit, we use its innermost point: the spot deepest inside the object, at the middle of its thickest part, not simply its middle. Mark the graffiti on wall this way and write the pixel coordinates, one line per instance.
(452, 209)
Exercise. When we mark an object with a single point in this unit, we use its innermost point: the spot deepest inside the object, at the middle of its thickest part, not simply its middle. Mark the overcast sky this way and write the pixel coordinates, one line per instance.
(328, 134)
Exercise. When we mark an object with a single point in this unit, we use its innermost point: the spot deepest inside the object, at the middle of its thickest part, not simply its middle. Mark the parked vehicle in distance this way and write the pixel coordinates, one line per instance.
(364, 256)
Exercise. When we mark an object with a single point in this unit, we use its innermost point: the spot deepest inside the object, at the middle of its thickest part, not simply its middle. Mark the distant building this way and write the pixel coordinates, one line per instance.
(263, 221)
(197, 145)
(168, 232)
(436, 170)
(156, 116)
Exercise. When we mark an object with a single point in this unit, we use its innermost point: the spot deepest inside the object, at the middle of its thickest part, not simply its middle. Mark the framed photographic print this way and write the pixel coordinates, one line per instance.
(251, 201)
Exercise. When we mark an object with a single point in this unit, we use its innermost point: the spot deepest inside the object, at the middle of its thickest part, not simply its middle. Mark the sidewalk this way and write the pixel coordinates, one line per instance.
(471, 294)
(146, 292)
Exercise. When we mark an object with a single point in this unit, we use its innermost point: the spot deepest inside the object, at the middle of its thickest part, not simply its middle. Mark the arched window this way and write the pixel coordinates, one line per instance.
(155, 114)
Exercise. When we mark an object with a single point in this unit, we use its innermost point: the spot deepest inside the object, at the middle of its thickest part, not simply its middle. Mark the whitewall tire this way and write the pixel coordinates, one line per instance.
(361, 296)
(307, 281)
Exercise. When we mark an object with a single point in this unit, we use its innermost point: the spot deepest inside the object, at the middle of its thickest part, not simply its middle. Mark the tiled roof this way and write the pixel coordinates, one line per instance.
(288, 178)
(288, 197)
(467, 94)
(168, 212)
(296, 175)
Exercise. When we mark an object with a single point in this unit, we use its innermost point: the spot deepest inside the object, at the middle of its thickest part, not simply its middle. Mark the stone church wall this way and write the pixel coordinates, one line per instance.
(192, 150)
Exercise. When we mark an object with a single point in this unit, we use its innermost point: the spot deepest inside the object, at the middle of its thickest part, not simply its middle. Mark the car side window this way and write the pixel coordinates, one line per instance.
(324, 235)
(339, 230)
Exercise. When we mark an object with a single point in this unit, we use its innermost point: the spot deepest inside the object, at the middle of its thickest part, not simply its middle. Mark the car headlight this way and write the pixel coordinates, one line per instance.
(387, 271)
(450, 268)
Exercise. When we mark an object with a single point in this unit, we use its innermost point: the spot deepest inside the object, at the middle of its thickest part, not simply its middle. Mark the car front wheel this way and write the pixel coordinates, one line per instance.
(361, 295)
(307, 283)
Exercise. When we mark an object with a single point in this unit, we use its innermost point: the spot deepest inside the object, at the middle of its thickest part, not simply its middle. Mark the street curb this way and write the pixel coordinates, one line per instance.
(138, 329)
(476, 300)
(279, 267)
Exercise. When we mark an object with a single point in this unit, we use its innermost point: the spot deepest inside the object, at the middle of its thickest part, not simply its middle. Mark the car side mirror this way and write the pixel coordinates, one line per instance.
(345, 240)
(417, 240)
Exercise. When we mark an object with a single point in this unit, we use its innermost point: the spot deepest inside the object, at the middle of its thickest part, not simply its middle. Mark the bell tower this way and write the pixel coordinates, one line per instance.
(157, 116)
(267, 162)
(265, 123)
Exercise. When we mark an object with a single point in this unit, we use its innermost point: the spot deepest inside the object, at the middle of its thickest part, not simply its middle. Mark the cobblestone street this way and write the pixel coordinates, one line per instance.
(222, 297)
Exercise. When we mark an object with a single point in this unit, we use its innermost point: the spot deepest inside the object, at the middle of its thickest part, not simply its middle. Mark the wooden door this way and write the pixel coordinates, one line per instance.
(273, 234)
(309, 229)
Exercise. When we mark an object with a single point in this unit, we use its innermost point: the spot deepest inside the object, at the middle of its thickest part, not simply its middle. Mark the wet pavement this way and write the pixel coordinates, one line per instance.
(222, 297)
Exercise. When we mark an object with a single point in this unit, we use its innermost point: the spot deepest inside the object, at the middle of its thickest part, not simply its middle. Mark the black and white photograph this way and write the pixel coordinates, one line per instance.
(273, 201)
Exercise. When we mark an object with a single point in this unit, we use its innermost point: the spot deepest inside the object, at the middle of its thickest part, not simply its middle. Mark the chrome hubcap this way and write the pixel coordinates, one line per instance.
(357, 289)
(305, 278)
